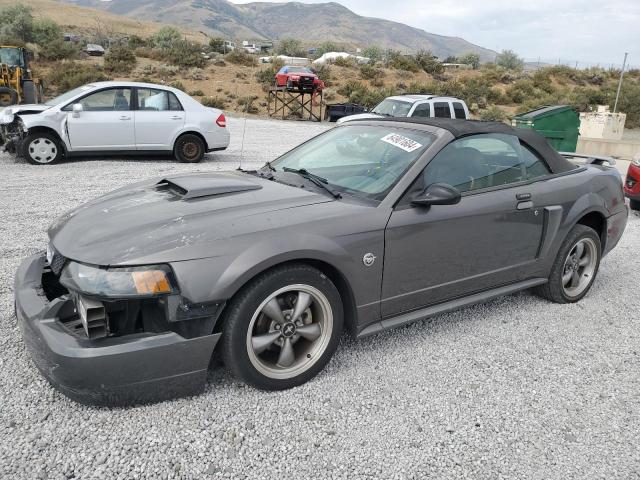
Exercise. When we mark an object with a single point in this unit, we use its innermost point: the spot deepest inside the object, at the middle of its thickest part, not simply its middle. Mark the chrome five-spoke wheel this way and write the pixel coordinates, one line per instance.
(579, 267)
(289, 331)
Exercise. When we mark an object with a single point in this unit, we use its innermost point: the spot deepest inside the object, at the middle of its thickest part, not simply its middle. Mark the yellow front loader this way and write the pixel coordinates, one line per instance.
(17, 84)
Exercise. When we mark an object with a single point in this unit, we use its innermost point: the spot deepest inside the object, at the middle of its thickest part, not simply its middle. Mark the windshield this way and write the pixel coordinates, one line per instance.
(69, 95)
(295, 70)
(363, 160)
(12, 57)
(392, 108)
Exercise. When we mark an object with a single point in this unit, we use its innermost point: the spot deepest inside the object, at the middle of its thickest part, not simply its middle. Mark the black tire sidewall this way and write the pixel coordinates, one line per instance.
(29, 92)
(577, 233)
(244, 305)
(29, 138)
(177, 151)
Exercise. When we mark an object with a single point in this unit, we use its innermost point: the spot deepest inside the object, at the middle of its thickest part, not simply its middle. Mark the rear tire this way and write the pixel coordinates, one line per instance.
(634, 204)
(29, 92)
(270, 344)
(42, 149)
(575, 267)
(189, 148)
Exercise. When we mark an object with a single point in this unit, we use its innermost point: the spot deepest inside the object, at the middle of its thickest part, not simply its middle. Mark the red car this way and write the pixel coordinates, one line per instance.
(632, 184)
(298, 78)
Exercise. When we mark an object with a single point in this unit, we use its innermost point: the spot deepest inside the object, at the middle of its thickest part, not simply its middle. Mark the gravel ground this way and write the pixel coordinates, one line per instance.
(517, 388)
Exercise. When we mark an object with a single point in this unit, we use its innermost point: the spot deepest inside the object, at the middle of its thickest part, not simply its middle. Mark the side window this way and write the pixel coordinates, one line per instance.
(442, 109)
(533, 164)
(174, 103)
(458, 110)
(113, 99)
(477, 162)
(153, 100)
(422, 110)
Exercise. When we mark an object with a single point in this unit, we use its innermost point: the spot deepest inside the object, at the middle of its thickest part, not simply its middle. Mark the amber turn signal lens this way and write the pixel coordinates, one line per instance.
(150, 282)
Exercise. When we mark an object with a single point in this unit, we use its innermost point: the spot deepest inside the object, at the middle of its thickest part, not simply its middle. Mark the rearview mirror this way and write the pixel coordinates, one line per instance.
(77, 109)
(437, 194)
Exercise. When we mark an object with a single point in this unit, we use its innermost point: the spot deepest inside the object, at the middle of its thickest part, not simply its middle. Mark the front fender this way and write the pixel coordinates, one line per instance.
(219, 278)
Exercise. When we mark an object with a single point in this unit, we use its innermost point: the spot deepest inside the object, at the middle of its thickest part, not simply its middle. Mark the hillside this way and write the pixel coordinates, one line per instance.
(313, 23)
(78, 19)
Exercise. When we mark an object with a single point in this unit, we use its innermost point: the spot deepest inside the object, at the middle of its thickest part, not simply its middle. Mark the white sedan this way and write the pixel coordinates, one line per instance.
(114, 117)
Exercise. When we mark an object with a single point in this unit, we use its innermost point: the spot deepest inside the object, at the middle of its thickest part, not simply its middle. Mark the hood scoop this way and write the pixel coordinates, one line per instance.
(196, 186)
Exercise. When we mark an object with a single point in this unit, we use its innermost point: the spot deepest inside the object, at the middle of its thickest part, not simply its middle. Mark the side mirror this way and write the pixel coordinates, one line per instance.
(77, 109)
(437, 194)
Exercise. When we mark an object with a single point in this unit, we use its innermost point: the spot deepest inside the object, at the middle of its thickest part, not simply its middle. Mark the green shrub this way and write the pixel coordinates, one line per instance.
(217, 45)
(266, 76)
(185, 54)
(46, 31)
(166, 37)
(373, 74)
(196, 93)
(240, 57)
(177, 84)
(290, 47)
(493, 113)
(428, 62)
(120, 59)
(60, 50)
(402, 62)
(345, 62)
(509, 60)
(246, 104)
(214, 102)
(67, 75)
(324, 73)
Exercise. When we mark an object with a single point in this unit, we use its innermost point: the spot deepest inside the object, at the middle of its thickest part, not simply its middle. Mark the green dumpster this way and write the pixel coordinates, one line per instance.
(559, 123)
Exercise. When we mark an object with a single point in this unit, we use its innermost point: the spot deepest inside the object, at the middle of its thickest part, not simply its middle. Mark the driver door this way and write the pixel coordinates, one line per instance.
(106, 122)
(491, 238)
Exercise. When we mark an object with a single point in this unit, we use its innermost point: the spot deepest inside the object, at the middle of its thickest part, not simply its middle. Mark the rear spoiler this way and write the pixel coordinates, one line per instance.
(590, 159)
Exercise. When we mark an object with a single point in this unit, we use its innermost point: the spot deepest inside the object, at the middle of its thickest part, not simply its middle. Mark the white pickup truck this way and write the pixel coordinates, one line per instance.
(415, 106)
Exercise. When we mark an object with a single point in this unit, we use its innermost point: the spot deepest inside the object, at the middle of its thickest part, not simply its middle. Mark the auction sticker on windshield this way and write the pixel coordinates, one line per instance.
(402, 142)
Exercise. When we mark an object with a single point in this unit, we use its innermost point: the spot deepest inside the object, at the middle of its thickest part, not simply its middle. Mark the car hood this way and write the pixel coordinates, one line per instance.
(7, 113)
(359, 116)
(175, 218)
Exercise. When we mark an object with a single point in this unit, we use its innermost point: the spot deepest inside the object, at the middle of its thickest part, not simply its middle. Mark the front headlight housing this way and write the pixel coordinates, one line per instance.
(145, 281)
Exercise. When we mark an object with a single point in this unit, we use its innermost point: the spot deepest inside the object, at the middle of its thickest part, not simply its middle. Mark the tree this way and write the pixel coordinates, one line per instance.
(472, 59)
(16, 22)
(510, 60)
(166, 37)
(329, 47)
(291, 47)
(45, 31)
(375, 54)
(428, 62)
(450, 59)
(216, 44)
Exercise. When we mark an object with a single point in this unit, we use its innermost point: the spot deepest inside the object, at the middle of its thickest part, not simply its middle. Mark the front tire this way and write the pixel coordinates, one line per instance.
(189, 148)
(575, 267)
(282, 328)
(42, 149)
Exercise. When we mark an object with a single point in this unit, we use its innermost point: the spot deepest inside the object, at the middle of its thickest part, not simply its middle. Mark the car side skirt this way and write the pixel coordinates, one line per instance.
(427, 312)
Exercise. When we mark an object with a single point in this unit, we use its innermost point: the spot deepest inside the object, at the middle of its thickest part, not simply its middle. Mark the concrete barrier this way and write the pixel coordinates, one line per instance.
(624, 149)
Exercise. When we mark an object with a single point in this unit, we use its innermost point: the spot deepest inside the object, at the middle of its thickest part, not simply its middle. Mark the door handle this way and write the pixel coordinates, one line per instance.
(176, 117)
(523, 196)
(124, 117)
(525, 205)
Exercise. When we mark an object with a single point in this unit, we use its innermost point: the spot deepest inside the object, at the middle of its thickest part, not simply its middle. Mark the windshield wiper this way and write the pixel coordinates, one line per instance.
(315, 179)
(270, 167)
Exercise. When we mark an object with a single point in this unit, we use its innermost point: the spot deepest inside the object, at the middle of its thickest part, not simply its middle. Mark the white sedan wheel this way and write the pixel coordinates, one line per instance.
(42, 150)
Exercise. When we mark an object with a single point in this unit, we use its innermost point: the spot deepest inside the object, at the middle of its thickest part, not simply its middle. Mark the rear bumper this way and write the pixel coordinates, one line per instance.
(113, 371)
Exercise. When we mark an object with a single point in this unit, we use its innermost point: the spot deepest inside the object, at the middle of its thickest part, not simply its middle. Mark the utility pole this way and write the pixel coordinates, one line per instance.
(624, 64)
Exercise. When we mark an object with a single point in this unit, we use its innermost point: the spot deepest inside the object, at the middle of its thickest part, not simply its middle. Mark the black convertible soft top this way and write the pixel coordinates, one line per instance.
(463, 128)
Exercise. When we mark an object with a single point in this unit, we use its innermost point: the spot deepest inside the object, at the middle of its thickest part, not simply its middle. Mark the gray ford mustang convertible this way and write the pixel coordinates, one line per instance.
(366, 227)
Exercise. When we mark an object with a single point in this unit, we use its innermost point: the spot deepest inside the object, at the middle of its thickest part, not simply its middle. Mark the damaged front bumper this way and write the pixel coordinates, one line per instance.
(113, 371)
(11, 136)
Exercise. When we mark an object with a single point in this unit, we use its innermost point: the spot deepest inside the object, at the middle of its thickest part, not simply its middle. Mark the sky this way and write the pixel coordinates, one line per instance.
(585, 31)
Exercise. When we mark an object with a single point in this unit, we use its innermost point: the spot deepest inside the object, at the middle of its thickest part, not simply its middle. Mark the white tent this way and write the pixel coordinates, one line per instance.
(331, 57)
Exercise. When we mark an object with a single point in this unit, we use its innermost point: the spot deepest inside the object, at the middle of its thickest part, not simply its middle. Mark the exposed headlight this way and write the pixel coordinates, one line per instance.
(118, 282)
(636, 162)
